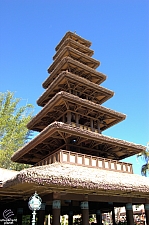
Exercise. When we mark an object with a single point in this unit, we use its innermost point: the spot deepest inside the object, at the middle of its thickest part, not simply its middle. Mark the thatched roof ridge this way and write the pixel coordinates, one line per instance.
(6, 174)
(72, 176)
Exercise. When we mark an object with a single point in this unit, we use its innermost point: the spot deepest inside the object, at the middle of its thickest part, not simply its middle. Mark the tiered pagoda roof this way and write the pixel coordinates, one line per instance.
(68, 82)
(72, 117)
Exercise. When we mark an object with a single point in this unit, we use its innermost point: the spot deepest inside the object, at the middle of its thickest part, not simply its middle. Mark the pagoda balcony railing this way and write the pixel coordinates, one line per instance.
(75, 158)
(83, 127)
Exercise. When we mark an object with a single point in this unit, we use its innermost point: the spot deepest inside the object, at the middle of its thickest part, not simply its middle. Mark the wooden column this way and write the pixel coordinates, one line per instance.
(56, 208)
(41, 217)
(85, 213)
(41, 214)
(129, 214)
(68, 117)
(70, 218)
(91, 122)
(19, 219)
(98, 124)
(70, 213)
(77, 119)
(113, 216)
(146, 207)
(63, 119)
(99, 217)
(19, 216)
(31, 219)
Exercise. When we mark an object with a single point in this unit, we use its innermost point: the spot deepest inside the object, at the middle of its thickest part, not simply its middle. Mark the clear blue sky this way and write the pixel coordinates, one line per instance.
(119, 32)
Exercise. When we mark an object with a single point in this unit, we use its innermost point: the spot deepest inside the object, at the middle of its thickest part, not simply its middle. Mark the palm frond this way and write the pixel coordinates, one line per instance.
(144, 169)
(145, 157)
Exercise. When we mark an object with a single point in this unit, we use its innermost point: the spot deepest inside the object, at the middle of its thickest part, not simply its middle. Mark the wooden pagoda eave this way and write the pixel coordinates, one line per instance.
(52, 133)
(67, 81)
(76, 55)
(63, 101)
(74, 37)
(73, 66)
(76, 45)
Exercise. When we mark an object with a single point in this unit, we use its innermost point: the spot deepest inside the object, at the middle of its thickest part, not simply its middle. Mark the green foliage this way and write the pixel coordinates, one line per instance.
(26, 219)
(13, 131)
(145, 156)
(122, 223)
(64, 221)
(78, 221)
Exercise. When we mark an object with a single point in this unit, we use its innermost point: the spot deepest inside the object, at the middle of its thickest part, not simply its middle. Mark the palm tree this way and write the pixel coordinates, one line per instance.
(145, 157)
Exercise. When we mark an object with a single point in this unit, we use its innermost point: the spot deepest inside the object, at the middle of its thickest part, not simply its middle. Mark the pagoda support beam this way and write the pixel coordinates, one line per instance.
(129, 214)
(85, 213)
(146, 207)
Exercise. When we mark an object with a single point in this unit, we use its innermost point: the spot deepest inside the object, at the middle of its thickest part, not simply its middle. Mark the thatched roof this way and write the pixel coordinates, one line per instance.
(6, 174)
(74, 177)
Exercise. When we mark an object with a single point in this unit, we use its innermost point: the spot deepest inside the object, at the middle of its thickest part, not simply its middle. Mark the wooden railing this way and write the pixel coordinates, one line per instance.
(86, 160)
(83, 127)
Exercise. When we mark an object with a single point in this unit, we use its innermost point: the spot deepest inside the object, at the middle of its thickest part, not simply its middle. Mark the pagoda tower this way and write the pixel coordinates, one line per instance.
(72, 117)
(70, 126)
